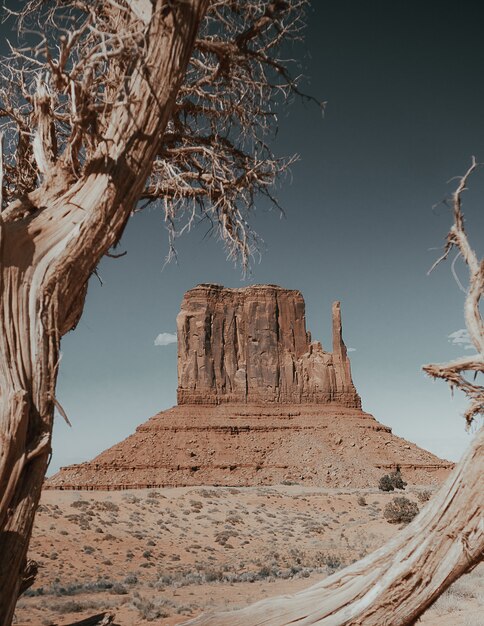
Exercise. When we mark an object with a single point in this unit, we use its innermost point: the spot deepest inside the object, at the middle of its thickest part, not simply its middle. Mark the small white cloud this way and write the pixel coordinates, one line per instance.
(164, 339)
(461, 338)
(350, 349)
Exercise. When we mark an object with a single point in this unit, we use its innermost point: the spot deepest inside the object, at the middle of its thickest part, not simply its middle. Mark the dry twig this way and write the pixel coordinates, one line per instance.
(213, 161)
(116, 101)
(455, 371)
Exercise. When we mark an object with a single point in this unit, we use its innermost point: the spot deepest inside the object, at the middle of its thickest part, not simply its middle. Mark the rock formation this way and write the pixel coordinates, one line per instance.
(251, 345)
(248, 444)
(258, 403)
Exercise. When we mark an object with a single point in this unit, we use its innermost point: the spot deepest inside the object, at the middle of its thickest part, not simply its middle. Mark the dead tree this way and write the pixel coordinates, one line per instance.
(399, 581)
(125, 100)
(119, 101)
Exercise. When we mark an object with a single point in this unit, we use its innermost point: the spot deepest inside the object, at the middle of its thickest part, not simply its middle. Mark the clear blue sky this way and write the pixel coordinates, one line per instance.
(405, 92)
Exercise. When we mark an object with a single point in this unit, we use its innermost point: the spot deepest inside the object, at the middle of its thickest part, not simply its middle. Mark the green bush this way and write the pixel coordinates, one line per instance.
(400, 511)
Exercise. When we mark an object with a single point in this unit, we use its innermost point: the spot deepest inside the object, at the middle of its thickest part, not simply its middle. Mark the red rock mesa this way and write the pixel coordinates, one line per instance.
(251, 345)
(258, 403)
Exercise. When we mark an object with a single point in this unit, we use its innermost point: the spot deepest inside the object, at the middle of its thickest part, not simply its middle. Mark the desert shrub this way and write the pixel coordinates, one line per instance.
(77, 606)
(264, 572)
(192, 578)
(72, 606)
(392, 481)
(165, 580)
(155, 494)
(119, 589)
(400, 511)
(397, 479)
(297, 555)
(32, 593)
(332, 562)
(131, 498)
(213, 575)
(187, 609)
(80, 504)
(246, 577)
(72, 589)
(362, 501)
(131, 579)
(385, 483)
(223, 536)
(107, 505)
(98, 585)
(148, 610)
(424, 496)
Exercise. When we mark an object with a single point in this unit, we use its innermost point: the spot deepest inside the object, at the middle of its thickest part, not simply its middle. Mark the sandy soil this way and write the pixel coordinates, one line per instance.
(161, 556)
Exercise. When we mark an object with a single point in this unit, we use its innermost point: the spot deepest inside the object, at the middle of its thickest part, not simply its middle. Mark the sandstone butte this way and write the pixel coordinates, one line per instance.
(259, 403)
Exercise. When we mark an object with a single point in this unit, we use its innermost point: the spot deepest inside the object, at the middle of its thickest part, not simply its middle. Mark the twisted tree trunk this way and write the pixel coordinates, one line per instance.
(49, 246)
(394, 585)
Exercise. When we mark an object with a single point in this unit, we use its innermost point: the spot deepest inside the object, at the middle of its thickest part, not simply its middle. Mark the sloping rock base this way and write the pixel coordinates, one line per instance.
(241, 445)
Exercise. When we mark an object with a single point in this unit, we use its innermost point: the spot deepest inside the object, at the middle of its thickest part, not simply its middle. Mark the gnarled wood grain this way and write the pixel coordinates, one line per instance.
(47, 253)
(395, 584)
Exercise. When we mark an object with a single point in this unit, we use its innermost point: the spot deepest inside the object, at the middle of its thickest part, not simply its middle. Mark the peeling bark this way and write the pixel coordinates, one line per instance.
(29, 575)
(49, 246)
(394, 585)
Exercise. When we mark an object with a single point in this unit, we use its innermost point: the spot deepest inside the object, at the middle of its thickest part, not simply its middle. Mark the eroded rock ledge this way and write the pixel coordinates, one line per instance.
(251, 345)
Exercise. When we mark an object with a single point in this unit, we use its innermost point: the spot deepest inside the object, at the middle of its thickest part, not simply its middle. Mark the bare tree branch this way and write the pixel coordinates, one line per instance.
(71, 183)
(213, 160)
(454, 371)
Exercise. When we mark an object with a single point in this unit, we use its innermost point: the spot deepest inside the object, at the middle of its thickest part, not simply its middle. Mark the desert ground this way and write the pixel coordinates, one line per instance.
(162, 556)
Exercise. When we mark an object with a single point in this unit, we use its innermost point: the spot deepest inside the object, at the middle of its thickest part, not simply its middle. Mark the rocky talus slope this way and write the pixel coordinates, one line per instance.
(258, 403)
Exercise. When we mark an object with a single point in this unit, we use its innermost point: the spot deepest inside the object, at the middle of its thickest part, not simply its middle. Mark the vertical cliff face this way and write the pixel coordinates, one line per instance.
(251, 345)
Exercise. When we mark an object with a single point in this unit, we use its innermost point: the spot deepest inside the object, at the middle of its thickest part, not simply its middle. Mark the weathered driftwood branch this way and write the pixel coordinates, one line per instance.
(394, 585)
(115, 102)
(50, 245)
(29, 575)
(102, 619)
(454, 371)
